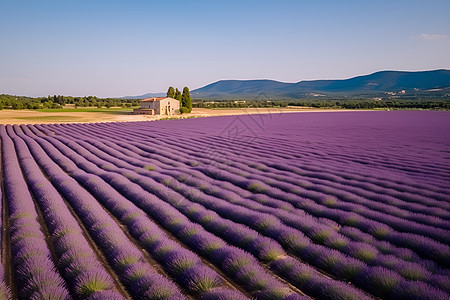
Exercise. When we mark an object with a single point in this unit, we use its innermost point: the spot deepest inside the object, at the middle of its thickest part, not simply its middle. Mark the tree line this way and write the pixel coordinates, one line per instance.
(373, 104)
(186, 103)
(58, 101)
(184, 98)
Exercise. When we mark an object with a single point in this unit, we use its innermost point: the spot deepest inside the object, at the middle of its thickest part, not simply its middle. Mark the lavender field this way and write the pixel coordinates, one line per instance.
(342, 205)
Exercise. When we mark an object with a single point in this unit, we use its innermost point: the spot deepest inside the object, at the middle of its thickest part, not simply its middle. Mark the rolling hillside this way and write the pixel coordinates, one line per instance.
(376, 83)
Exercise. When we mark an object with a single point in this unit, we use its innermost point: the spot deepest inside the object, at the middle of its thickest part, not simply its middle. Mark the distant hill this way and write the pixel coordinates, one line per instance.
(148, 95)
(377, 83)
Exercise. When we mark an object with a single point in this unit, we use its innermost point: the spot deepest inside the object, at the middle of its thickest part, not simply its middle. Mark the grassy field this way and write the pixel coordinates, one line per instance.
(50, 118)
(67, 115)
(115, 110)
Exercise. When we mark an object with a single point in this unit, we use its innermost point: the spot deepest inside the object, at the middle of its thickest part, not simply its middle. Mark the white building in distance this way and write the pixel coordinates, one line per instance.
(158, 106)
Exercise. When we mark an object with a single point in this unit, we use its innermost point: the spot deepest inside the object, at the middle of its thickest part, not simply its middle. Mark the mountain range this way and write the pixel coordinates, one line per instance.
(379, 83)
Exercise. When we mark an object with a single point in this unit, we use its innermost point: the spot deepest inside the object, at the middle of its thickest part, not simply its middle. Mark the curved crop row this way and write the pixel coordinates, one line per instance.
(5, 292)
(179, 225)
(264, 206)
(139, 277)
(183, 265)
(34, 269)
(82, 270)
(187, 209)
(402, 253)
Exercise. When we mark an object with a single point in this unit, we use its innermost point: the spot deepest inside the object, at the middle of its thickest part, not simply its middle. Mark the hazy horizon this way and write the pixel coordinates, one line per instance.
(117, 48)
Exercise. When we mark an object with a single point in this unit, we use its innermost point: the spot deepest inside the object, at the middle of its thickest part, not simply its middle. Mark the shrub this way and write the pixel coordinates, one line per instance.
(200, 279)
(91, 282)
(378, 280)
(184, 110)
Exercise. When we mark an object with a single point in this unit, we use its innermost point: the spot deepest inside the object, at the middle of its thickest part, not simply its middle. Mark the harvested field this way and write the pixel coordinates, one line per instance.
(125, 115)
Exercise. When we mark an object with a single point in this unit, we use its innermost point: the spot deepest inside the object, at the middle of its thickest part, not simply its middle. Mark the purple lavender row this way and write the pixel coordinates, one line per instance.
(81, 269)
(390, 259)
(375, 204)
(384, 178)
(202, 243)
(153, 241)
(194, 179)
(277, 162)
(390, 262)
(183, 265)
(326, 179)
(265, 145)
(322, 233)
(306, 158)
(272, 227)
(423, 245)
(264, 286)
(351, 203)
(35, 273)
(5, 292)
(375, 197)
(325, 138)
(382, 259)
(436, 216)
(335, 137)
(129, 154)
(363, 158)
(262, 247)
(225, 124)
(378, 281)
(404, 195)
(186, 267)
(270, 205)
(241, 164)
(141, 280)
(311, 194)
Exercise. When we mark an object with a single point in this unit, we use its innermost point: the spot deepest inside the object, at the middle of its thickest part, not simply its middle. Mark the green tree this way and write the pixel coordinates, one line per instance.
(177, 95)
(17, 105)
(186, 99)
(171, 92)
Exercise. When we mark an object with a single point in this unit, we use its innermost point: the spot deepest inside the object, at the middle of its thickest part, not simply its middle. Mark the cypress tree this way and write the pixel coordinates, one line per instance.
(177, 95)
(171, 92)
(186, 99)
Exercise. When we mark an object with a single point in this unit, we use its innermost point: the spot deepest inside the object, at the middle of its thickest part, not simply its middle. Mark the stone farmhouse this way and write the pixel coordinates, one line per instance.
(158, 106)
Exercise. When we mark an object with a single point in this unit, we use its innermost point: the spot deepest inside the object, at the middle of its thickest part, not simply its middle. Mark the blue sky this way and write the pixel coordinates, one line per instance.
(112, 48)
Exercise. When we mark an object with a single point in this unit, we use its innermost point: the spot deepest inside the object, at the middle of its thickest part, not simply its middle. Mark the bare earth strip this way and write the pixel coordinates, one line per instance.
(8, 116)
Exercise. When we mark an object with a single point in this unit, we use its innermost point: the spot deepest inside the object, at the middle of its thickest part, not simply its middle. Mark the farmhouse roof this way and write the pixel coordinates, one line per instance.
(152, 99)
